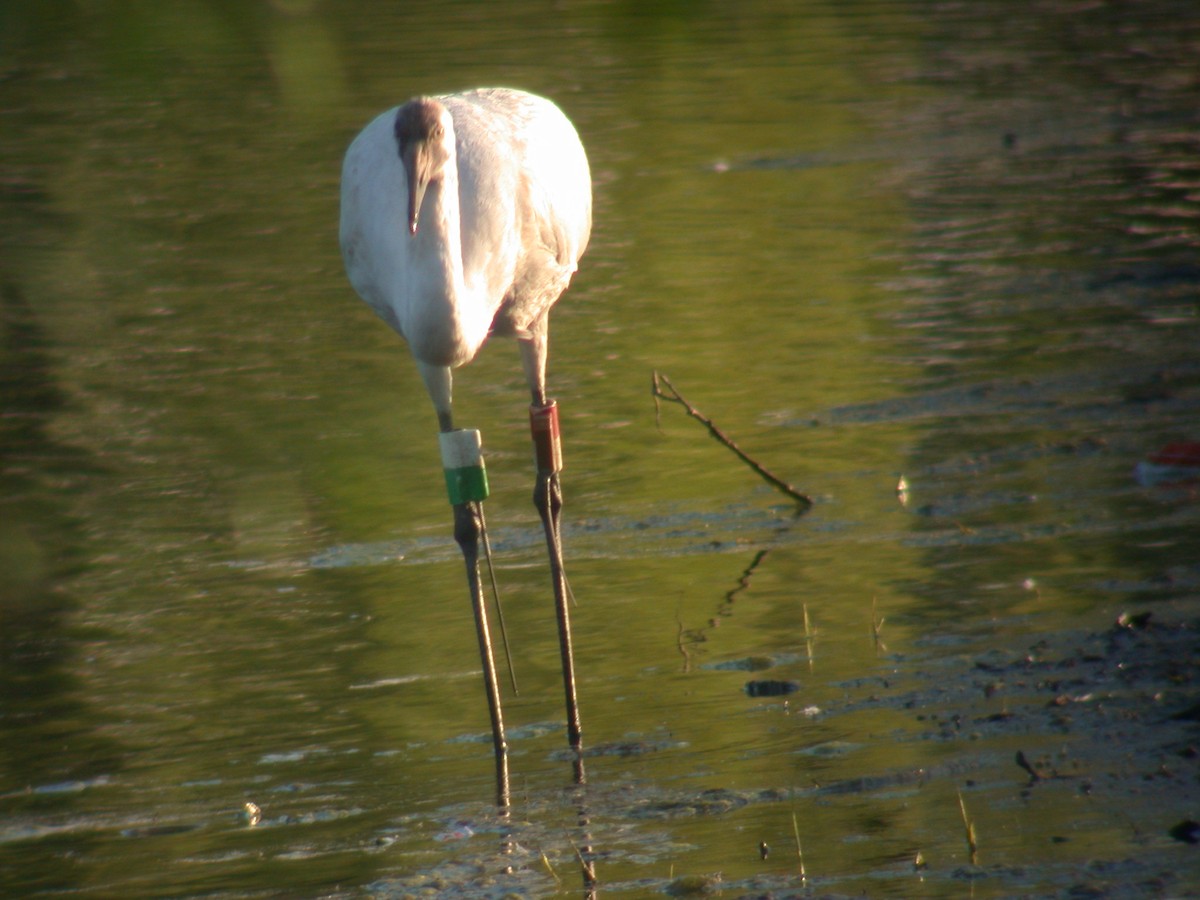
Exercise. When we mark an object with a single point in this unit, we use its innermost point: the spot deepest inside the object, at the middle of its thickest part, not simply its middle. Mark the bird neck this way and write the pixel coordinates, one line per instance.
(441, 234)
(457, 323)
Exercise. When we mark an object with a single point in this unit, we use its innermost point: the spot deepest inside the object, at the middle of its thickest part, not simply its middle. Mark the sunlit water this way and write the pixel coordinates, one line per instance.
(953, 244)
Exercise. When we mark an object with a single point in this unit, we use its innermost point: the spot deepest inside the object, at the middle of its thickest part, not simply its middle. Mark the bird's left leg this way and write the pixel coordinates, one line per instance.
(466, 483)
(548, 498)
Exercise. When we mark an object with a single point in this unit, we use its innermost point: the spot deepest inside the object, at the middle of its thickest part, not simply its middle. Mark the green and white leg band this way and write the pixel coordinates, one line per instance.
(462, 462)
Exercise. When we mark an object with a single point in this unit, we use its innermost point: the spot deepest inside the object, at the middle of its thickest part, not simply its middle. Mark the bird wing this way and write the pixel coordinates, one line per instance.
(525, 192)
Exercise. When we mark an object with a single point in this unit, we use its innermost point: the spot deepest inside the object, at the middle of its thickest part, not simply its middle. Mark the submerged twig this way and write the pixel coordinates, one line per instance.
(672, 394)
(587, 868)
(1024, 763)
(799, 849)
(809, 636)
(877, 627)
(969, 829)
(550, 868)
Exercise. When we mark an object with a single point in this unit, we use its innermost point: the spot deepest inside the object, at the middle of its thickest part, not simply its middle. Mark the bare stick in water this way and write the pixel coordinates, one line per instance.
(671, 394)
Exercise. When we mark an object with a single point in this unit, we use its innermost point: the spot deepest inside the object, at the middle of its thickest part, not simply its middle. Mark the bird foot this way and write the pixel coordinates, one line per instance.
(467, 529)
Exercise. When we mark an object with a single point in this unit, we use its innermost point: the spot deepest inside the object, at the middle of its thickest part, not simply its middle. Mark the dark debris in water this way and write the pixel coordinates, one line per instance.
(706, 803)
(771, 688)
(1095, 716)
(1187, 831)
(153, 831)
(1111, 688)
(624, 748)
(619, 749)
(694, 885)
(745, 664)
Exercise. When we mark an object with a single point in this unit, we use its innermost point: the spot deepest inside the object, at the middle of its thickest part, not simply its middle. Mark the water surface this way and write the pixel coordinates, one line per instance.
(936, 241)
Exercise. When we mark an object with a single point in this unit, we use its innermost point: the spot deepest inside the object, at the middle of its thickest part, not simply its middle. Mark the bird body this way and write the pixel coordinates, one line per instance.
(465, 215)
(500, 226)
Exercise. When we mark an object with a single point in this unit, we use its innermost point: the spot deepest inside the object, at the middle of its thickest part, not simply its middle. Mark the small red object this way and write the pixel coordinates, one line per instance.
(1180, 453)
(1176, 462)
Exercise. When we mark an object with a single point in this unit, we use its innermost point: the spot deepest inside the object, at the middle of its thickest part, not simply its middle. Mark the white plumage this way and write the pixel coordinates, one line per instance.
(505, 216)
(462, 216)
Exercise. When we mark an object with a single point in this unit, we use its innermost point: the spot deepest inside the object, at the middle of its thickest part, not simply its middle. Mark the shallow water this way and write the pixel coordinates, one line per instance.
(931, 241)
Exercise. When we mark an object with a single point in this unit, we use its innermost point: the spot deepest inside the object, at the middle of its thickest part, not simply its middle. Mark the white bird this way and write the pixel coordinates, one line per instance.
(463, 216)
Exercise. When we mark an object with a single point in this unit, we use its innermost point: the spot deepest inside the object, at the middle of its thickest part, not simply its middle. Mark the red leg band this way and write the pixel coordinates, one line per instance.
(547, 445)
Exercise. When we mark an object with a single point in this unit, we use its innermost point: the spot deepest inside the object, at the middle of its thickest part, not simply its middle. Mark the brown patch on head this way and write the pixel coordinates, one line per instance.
(424, 149)
(417, 120)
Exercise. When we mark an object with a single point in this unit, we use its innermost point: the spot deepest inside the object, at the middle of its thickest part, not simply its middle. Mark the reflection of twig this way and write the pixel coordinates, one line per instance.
(672, 395)
(743, 581)
(686, 636)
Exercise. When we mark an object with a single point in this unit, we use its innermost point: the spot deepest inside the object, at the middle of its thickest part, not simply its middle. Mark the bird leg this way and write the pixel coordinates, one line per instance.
(466, 483)
(548, 498)
(467, 531)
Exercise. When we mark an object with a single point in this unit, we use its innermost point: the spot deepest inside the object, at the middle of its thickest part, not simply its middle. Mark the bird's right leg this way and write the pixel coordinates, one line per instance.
(466, 484)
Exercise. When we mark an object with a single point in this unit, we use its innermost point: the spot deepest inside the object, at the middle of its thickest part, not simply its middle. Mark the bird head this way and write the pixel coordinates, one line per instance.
(425, 141)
